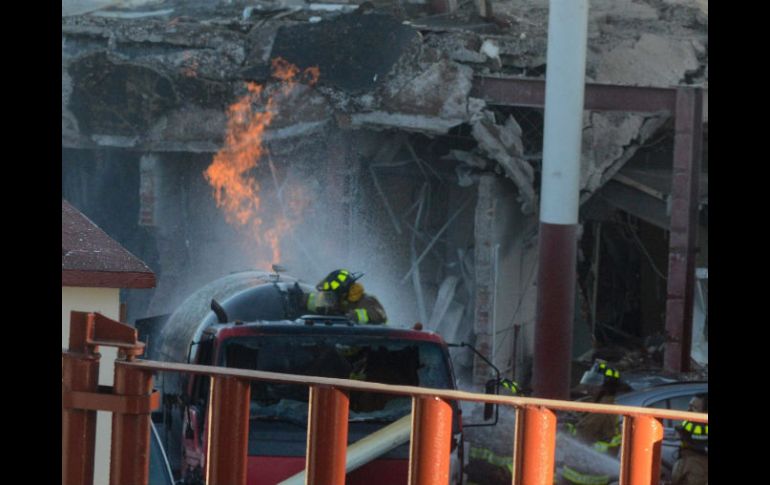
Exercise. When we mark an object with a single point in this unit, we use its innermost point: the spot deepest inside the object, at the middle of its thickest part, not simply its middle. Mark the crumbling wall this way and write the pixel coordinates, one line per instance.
(505, 265)
(162, 82)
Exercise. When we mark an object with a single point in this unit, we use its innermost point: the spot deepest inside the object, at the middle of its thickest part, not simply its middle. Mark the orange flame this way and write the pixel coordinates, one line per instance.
(232, 172)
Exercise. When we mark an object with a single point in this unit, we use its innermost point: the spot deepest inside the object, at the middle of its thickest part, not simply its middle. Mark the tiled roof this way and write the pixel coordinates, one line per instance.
(89, 257)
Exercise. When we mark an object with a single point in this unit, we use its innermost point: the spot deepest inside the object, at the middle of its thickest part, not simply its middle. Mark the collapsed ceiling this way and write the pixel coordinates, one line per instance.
(160, 75)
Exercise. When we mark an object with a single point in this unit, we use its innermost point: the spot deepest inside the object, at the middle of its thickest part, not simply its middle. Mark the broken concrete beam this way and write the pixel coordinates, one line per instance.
(609, 141)
(653, 60)
(503, 144)
(440, 89)
(425, 97)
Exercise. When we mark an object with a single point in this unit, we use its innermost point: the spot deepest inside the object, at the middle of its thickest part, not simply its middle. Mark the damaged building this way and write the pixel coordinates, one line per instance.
(389, 145)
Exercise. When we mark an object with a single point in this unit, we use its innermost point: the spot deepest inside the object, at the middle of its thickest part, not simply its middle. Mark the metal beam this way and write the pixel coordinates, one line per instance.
(683, 228)
(512, 91)
(686, 106)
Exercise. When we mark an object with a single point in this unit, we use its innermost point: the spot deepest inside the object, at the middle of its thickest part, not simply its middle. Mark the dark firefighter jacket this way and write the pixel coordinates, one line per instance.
(692, 468)
(366, 310)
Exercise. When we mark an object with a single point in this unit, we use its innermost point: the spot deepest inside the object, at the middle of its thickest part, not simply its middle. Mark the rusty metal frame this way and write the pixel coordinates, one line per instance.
(130, 400)
(685, 105)
(685, 202)
(227, 450)
(105, 400)
(328, 413)
(430, 442)
(228, 431)
(534, 444)
(640, 454)
(535, 429)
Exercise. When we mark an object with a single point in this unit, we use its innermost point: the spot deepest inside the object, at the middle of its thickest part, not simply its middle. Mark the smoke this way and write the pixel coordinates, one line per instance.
(297, 201)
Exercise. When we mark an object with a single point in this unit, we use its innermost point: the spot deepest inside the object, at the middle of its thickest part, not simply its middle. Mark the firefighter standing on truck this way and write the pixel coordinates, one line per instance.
(602, 431)
(340, 293)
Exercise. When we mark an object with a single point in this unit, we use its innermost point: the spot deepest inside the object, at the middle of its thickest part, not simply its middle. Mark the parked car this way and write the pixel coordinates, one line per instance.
(667, 396)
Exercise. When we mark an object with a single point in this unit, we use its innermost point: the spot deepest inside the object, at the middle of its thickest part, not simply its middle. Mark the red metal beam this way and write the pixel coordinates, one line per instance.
(683, 228)
(228, 440)
(534, 446)
(130, 451)
(415, 391)
(431, 441)
(511, 91)
(327, 435)
(555, 310)
(80, 381)
(640, 457)
(80, 372)
(686, 105)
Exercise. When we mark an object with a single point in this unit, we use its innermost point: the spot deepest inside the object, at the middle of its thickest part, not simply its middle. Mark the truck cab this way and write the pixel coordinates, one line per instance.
(321, 346)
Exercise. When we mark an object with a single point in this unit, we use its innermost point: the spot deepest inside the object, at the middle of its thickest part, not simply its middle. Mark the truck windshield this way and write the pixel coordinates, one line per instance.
(383, 360)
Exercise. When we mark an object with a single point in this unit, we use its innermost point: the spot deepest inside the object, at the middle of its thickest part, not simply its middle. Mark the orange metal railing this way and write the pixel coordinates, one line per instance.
(132, 400)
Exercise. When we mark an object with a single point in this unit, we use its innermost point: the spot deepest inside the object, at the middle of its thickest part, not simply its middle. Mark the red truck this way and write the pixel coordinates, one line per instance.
(261, 327)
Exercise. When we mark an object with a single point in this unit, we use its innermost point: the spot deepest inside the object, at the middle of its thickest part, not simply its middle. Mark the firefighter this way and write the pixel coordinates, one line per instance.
(602, 431)
(485, 467)
(340, 293)
(699, 403)
(692, 465)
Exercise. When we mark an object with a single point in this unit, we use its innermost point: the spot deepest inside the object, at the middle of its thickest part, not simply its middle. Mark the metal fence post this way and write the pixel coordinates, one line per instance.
(640, 458)
(80, 372)
(327, 435)
(431, 441)
(534, 446)
(130, 452)
(228, 435)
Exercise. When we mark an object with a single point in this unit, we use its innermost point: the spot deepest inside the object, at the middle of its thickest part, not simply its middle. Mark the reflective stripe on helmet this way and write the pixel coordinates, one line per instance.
(575, 476)
(510, 385)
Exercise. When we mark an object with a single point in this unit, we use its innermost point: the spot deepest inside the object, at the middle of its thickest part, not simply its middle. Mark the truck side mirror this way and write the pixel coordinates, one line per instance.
(489, 408)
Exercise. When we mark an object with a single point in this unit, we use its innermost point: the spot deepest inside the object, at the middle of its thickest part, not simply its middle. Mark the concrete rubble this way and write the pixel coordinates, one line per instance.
(503, 144)
(159, 76)
(163, 81)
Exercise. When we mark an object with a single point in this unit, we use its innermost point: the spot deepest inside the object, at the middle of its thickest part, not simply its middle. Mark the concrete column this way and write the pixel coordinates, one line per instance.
(148, 184)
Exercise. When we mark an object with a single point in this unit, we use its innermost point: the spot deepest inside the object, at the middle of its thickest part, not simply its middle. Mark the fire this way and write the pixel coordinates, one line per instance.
(233, 171)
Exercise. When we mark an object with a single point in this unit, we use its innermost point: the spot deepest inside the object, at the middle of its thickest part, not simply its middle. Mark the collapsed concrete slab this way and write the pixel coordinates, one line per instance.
(609, 141)
(377, 71)
(653, 60)
(429, 99)
(503, 144)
